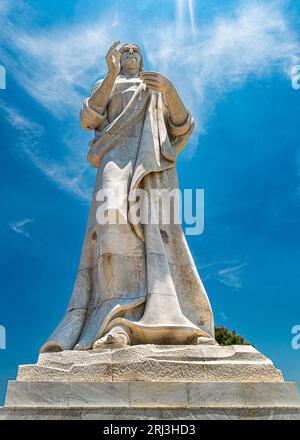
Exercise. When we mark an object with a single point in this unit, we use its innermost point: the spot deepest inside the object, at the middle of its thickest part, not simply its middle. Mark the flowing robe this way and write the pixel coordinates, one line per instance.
(141, 276)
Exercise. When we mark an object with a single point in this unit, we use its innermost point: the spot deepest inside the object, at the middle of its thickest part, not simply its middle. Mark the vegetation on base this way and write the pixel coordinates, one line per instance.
(226, 337)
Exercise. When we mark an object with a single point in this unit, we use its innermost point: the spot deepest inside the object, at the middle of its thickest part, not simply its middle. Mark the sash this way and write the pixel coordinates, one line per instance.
(111, 135)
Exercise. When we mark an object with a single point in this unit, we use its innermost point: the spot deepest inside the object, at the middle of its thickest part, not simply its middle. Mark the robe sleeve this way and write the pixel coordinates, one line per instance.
(179, 130)
(176, 130)
(90, 117)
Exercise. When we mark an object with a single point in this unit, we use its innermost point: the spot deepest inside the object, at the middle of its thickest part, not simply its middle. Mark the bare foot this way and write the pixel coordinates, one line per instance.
(206, 341)
(112, 340)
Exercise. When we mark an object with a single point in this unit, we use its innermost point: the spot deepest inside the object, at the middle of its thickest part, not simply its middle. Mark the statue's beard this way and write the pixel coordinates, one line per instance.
(130, 67)
(131, 62)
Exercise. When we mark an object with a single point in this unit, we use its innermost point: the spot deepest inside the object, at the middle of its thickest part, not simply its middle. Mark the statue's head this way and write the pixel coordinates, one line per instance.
(131, 59)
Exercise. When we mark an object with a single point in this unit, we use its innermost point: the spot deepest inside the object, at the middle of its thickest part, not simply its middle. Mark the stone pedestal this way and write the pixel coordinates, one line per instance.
(152, 382)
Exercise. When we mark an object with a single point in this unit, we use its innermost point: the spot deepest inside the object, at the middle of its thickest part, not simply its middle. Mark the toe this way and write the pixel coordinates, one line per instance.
(99, 343)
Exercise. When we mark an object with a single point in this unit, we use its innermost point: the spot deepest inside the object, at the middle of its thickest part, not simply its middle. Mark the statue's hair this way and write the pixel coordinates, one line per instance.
(140, 52)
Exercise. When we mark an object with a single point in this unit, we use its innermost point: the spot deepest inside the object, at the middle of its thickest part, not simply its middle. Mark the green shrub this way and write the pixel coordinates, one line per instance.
(226, 337)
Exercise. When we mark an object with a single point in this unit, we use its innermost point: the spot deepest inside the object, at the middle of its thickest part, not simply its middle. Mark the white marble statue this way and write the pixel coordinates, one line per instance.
(137, 283)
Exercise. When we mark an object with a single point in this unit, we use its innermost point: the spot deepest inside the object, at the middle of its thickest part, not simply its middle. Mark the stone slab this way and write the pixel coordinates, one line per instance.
(176, 414)
(158, 395)
(151, 395)
(107, 394)
(154, 363)
(152, 382)
(37, 394)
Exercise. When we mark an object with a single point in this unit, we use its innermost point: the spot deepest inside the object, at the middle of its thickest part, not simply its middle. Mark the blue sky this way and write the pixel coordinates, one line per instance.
(231, 62)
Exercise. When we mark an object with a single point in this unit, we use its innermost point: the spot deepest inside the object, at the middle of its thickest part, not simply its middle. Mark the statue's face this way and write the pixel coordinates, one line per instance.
(131, 58)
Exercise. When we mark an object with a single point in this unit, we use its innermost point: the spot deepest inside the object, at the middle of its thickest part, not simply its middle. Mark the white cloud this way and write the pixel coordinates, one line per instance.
(230, 275)
(254, 41)
(57, 65)
(224, 316)
(68, 175)
(19, 121)
(257, 38)
(64, 58)
(19, 227)
(53, 64)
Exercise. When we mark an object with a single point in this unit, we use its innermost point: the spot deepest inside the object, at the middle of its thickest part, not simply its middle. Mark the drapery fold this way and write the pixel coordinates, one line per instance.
(151, 285)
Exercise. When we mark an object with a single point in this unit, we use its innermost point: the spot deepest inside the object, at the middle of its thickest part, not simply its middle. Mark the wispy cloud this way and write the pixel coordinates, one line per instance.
(224, 316)
(68, 175)
(19, 227)
(53, 65)
(230, 275)
(19, 121)
(57, 65)
(256, 40)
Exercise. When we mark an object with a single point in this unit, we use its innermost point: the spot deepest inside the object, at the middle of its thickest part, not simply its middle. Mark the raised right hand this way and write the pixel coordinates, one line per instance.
(113, 59)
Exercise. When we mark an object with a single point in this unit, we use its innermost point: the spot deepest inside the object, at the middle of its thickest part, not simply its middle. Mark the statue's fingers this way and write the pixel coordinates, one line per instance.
(115, 44)
(153, 86)
(151, 83)
(117, 54)
(109, 54)
(113, 48)
(149, 78)
(152, 80)
(149, 72)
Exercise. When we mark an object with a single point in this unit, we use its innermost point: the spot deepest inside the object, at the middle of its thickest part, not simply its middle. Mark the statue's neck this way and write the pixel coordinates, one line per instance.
(130, 75)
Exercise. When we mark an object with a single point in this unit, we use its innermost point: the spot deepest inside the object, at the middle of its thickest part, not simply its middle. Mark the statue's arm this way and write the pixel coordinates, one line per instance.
(100, 95)
(179, 118)
(94, 109)
(178, 114)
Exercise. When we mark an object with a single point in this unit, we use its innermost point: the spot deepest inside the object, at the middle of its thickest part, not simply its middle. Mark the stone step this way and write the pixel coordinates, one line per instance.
(110, 414)
(151, 395)
(155, 363)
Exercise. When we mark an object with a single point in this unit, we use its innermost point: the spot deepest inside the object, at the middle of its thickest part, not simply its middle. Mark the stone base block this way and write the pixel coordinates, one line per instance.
(152, 383)
(176, 414)
(151, 395)
(155, 363)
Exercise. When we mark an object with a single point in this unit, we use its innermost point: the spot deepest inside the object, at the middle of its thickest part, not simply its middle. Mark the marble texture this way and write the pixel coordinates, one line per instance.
(37, 394)
(146, 290)
(188, 363)
(109, 414)
(175, 414)
(151, 395)
(108, 394)
(152, 382)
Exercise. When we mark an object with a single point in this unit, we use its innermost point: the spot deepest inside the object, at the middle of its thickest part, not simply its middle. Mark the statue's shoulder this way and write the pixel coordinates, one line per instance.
(117, 85)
